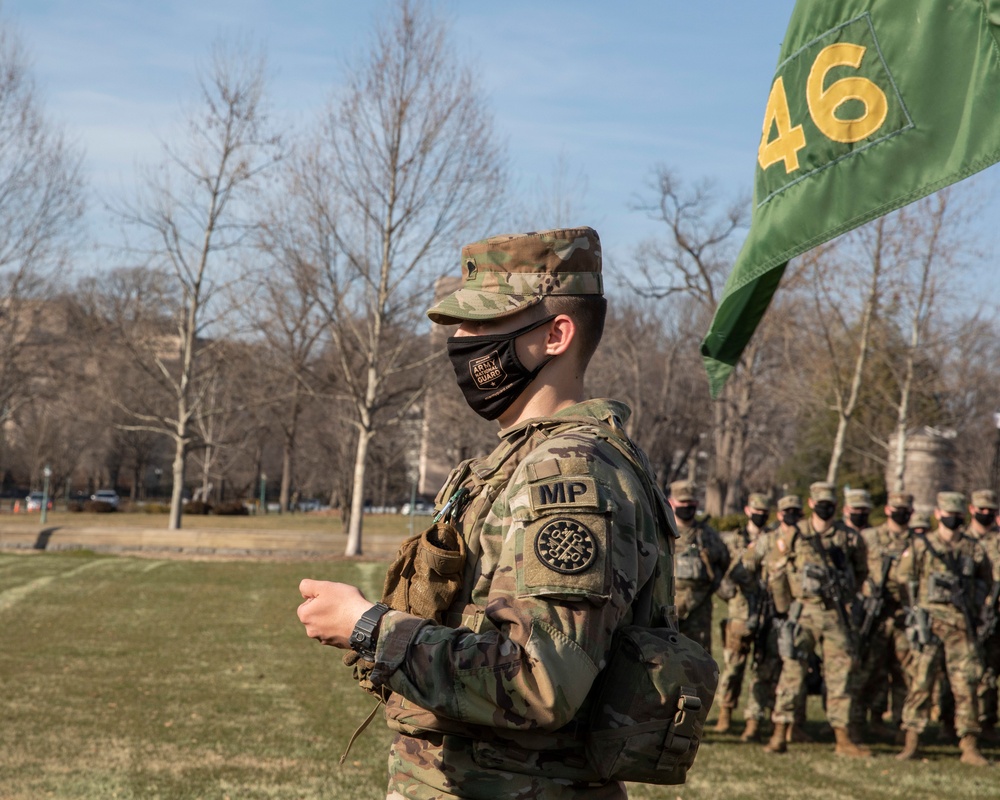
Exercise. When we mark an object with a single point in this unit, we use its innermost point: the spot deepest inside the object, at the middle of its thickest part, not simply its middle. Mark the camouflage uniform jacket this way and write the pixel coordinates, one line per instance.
(795, 558)
(701, 560)
(938, 567)
(990, 540)
(560, 531)
(743, 595)
(883, 541)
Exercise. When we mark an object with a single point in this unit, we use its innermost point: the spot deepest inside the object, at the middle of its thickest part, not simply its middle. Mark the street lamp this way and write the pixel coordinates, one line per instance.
(46, 473)
(263, 493)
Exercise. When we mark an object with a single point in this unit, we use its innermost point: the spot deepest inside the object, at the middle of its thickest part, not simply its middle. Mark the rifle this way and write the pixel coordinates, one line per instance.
(988, 619)
(872, 606)
(960, 601)
(833, 590)
(762, 628)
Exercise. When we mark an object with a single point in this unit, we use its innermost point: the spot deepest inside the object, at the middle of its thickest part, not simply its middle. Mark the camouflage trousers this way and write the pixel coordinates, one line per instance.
(883, 672)
(736, 644)
(445, 766)
(697, 624)
(818, 627)
(954, 654)
(764, 672)
(988, 685)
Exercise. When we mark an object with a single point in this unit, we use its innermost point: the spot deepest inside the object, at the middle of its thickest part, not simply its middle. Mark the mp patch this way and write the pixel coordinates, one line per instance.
(566, 546)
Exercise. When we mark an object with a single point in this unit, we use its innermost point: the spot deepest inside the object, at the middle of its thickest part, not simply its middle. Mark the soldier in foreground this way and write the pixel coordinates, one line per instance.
(813, 573)
(559, 527)
(983, 528)
(946, 574)
(700, 563)
(743, 592)
(884, 646)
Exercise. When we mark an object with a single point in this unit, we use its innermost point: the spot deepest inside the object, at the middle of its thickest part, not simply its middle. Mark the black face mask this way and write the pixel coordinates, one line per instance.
(489, 372)
(825, 510)
(952, 521)
(901, 516)
(859, 519)
(986, 519)
(791, 518)
(685, 513)
(759, 520)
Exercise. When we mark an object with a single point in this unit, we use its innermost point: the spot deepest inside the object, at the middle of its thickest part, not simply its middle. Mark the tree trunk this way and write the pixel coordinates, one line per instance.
(177, 492)
(358, 496)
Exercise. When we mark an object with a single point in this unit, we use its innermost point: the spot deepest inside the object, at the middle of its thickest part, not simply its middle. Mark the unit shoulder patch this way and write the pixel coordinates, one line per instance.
(566, 546)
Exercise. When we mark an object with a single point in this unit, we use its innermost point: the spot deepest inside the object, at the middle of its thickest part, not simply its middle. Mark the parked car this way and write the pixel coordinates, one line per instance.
(33, 502)
(109, 496)
(419, 507)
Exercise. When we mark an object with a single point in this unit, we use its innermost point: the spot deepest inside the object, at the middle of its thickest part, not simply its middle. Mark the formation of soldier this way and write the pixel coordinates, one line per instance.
(896, 618)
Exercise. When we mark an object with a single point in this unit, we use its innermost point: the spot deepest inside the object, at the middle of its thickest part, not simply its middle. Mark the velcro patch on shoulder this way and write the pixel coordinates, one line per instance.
(565, 555)
(577, 492)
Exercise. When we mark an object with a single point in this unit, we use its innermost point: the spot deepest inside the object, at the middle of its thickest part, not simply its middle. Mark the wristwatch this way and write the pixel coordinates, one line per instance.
(365, 633)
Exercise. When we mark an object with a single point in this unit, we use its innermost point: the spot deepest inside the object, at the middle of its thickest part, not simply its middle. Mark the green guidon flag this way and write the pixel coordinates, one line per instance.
(874, 104)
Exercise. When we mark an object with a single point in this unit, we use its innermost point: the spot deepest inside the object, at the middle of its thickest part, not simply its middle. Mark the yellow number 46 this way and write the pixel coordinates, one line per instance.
(823, 104)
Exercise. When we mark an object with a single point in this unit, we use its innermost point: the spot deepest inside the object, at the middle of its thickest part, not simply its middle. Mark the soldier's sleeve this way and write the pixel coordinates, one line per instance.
(984, 576)
(776, 566)
(906, 569)
(579, 537)
(718, 552)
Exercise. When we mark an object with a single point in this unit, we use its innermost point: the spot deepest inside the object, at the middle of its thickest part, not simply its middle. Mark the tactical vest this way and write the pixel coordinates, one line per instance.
(810, 555)
(483, 481)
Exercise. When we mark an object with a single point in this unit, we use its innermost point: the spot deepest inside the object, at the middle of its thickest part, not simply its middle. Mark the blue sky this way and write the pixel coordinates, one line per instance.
(613, 88)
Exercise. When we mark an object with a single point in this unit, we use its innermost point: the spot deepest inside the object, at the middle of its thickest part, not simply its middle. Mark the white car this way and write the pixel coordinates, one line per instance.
(33, 502)
(109, 496)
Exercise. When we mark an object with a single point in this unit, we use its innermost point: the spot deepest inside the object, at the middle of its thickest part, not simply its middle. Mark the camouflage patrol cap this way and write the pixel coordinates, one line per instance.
(951, 502)
(789, 501)
(684, 491)
(822, 491)
(985, 498)
(900, 500)
(857, 498)
(759, 500)
(506, 274)
(920, 519)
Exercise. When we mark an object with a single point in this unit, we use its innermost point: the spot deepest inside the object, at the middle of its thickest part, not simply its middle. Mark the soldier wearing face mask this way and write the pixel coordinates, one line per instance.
(882, 668)
(947, 574)
(743, 595)
(765, 666)
(857, 508)
(700, 563)
(813, 574)
(983, 527)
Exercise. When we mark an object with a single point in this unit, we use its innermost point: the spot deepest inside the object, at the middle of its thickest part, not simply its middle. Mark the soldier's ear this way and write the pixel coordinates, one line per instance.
(561, 333)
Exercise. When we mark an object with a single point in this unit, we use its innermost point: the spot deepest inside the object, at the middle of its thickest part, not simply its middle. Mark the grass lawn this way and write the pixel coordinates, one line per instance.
(151, 678)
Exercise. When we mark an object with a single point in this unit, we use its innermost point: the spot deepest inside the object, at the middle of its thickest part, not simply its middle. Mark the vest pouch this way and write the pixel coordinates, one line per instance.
(940, 587)
(813, 578)
(688, 566)
(650, 706)
(426, 575)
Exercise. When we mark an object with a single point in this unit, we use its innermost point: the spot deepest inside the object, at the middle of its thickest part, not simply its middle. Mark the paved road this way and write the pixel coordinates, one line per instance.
(191, 541)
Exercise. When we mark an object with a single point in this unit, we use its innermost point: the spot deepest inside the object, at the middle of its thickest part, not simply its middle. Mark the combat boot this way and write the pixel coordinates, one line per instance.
(725, 720)
(846, 747)
(777, 742)
(970, 752)
(910, 746)
(751, 733)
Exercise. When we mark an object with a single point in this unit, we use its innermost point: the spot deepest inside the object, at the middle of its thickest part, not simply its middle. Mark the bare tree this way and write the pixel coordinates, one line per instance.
(692, 261)
(41, 203)
(193, 215)
(405, 166)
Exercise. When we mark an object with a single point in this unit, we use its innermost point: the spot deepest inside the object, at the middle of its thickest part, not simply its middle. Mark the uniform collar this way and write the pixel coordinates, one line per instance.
(611, 412)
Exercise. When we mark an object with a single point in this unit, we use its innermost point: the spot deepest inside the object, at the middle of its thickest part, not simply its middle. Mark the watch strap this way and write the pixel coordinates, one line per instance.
(365, 634)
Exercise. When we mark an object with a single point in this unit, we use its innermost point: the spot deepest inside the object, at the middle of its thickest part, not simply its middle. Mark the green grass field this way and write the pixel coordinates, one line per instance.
(145, 678)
